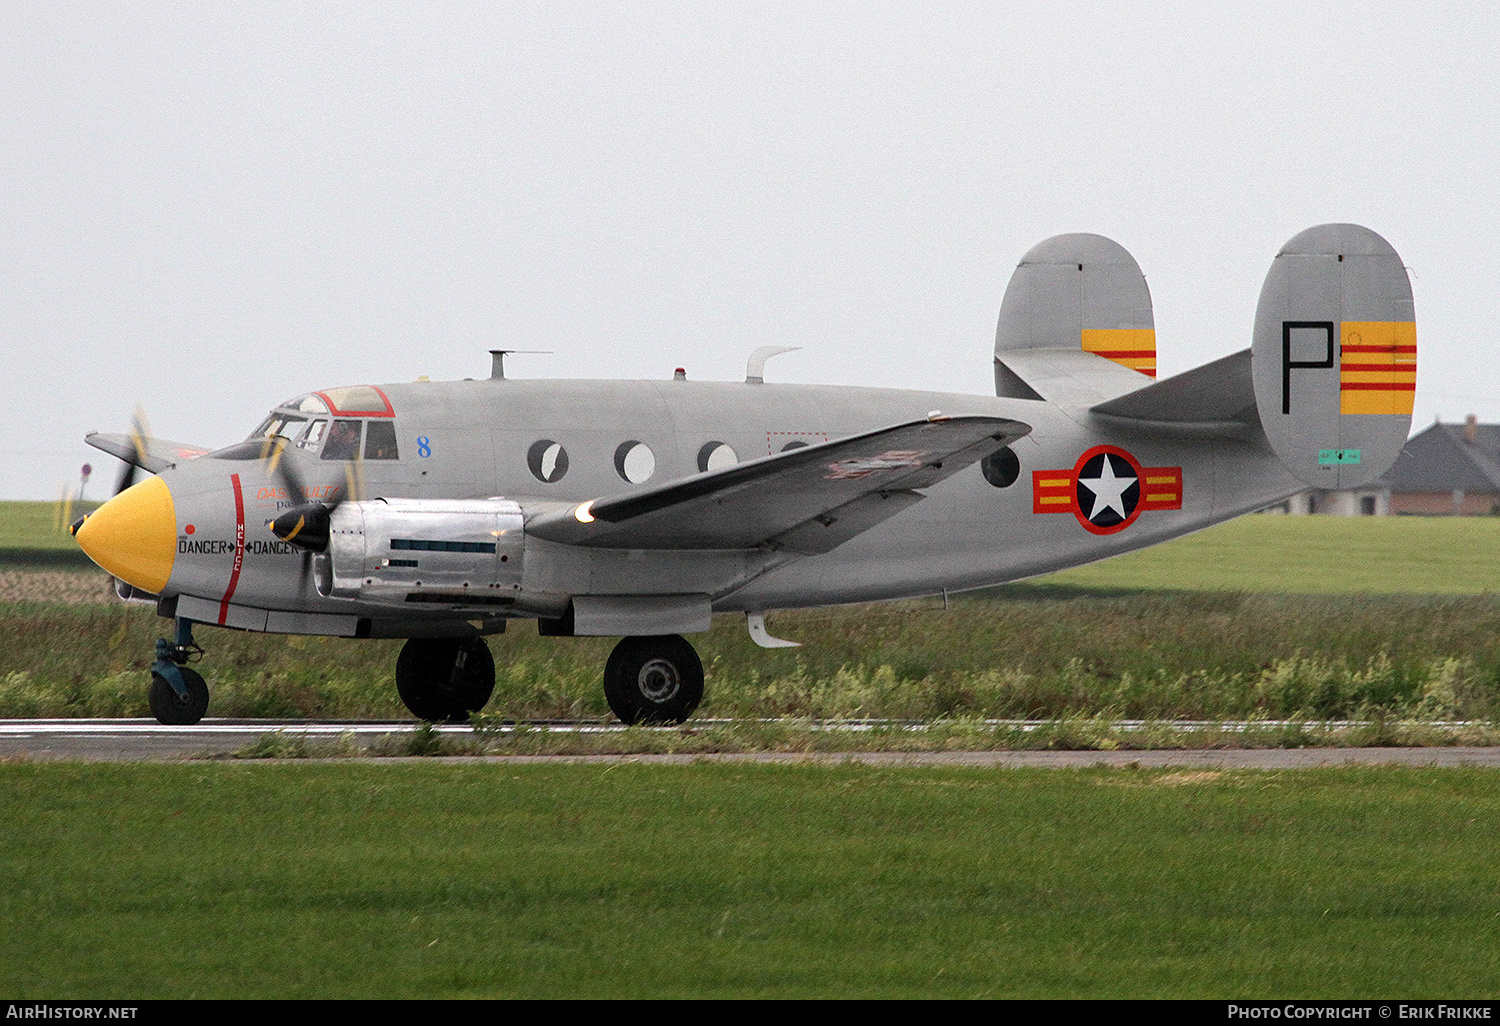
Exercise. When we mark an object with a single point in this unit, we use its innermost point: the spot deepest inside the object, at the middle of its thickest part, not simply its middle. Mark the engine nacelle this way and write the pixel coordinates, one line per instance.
(442, 551)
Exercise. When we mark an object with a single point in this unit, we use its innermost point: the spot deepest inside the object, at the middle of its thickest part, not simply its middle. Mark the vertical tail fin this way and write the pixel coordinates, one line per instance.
(1076, 292)
(1335, 355)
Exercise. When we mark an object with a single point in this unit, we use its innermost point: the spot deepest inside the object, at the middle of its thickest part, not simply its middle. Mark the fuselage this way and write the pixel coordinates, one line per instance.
(547, 442)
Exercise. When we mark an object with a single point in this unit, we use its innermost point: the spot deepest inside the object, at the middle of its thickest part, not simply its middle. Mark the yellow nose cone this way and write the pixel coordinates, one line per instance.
(134, 535)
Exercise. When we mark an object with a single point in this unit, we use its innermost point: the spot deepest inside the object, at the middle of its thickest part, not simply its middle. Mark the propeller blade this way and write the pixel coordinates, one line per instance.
(280, 464)
(354, 480)
(140, 430)
(126, 478)
(62, 510)
(306, 524)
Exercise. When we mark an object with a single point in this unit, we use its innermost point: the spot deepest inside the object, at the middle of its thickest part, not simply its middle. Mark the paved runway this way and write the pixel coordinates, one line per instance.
(113, 740)
(145, 739)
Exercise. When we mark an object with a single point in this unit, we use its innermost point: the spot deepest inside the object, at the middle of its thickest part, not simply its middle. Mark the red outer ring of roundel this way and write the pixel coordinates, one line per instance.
(1135, 468)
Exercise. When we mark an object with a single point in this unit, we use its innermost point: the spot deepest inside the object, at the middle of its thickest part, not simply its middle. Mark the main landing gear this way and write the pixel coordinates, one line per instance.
(654, 680)
(647, 680)
(445, 679)
(179, 697)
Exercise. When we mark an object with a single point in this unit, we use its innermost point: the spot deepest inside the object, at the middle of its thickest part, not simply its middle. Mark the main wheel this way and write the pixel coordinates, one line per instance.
(445, 679)
(653, 680)
(173, 710)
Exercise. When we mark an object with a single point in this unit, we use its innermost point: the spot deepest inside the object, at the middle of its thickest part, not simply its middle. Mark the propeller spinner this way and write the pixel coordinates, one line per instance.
(306, 524)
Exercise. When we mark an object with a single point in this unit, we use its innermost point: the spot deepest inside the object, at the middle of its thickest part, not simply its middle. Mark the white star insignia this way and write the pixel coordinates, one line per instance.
(1109, 491)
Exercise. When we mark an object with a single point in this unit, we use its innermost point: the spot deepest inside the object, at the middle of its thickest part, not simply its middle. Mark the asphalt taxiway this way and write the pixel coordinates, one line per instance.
(100, 740)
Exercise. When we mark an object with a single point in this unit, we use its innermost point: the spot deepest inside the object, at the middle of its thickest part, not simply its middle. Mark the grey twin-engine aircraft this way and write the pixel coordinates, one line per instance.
(441, 511)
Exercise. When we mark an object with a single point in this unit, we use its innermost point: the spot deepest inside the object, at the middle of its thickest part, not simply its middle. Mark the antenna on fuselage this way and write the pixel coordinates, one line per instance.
(755, 367)
(497, 360)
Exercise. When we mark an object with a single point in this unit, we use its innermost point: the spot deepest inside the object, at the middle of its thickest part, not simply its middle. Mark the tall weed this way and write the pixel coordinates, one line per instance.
(1018, 653)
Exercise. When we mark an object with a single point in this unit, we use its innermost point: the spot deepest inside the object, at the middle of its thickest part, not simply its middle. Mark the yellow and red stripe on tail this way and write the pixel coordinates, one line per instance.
(1378, 367)
(1129, 347)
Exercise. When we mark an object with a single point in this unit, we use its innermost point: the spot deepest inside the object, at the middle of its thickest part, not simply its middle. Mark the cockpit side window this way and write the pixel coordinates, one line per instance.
(313, 436)
(284, 424)
(343, 441)
(380, 440)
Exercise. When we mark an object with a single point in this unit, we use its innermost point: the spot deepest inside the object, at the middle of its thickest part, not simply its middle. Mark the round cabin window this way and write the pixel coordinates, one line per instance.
(635, 462)
(716, 456)
(1001, 468)
(548, 460)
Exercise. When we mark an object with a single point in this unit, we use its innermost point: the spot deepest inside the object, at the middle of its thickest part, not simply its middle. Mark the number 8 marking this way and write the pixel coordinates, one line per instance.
(424, 447)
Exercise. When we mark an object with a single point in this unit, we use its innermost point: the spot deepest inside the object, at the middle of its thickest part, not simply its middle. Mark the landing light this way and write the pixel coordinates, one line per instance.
(582, 514)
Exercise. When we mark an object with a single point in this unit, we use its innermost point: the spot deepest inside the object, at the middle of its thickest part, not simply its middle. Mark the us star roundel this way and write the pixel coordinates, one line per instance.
(1106, 489)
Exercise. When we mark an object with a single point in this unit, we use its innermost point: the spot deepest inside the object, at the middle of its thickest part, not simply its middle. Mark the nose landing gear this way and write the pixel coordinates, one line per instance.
(178, 697)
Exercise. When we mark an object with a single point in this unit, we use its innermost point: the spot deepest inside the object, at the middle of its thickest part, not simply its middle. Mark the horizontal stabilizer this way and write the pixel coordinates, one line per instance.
(1070, 377)
(1216, 398)
(807, 500)
(154, 455)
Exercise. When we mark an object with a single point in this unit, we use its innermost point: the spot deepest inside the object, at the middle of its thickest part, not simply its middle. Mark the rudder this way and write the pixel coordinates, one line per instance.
(1335, 356)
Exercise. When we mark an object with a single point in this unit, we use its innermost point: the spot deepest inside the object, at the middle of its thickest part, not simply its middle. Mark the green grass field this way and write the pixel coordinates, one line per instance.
(438, 880)
(1157, 655)
(1313, 555)
(37, 525)
(424, 878)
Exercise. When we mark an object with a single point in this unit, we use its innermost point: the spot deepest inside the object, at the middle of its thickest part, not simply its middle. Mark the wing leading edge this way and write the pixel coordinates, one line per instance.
(808, 500)
(150, 454)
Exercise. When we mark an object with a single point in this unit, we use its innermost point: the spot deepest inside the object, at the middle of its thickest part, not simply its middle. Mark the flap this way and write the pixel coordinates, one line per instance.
(155, 455)
(753, 503)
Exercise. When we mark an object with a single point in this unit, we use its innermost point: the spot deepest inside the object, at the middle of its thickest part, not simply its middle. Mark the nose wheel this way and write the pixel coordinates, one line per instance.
(655, 680)
(178, 696)
(445, 679)
(179, 710)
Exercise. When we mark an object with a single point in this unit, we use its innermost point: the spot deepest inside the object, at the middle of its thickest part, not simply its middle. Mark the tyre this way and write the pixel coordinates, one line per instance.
(656, 680)
(171, 709)
(443, 680)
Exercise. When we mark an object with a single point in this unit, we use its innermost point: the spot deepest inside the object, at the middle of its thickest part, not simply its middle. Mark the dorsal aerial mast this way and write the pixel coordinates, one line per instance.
(755, 367)
(497, 360)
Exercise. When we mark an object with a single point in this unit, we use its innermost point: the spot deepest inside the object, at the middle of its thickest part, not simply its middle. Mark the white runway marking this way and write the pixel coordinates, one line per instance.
(145, 739)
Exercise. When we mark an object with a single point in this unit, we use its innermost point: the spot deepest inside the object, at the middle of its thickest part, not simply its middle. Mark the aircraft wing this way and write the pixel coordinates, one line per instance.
(155, 455)
(807, 500)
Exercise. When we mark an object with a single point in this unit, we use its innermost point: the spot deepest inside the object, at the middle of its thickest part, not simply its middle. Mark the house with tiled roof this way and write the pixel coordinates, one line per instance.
(1446, 470)
(1449, 469)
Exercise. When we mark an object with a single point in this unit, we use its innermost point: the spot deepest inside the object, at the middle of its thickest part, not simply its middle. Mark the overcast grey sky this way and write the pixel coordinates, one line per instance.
(208, 208)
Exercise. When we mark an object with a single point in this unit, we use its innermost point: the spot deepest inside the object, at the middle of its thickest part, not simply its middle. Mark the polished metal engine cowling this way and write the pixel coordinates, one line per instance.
(449, 551)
